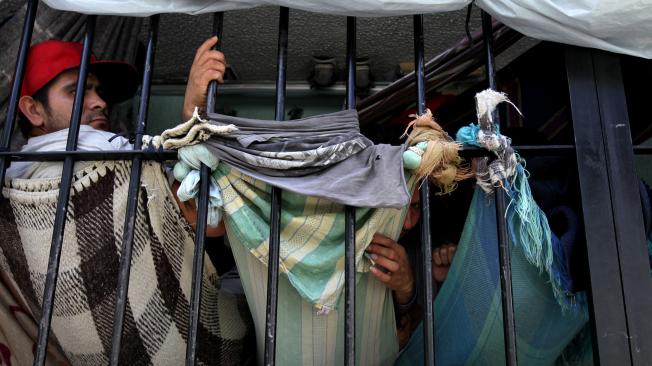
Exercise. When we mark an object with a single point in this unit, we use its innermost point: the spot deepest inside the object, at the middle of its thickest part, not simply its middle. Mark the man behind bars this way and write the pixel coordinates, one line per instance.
(46, 104)
(85, 298)
(48, 94)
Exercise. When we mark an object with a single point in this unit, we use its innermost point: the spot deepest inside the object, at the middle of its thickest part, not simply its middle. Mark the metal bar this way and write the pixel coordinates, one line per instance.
(91, 155)
(172, 154)
(509, 330)
(524, 150)
(200, 228)
(426, 236)
(12, 108)
(218, 26)
(132, 199)
(643, 150)
(64, 194)
(349, 212)
(275, 224)
(626, 203)
(198, 266)
(607, 308)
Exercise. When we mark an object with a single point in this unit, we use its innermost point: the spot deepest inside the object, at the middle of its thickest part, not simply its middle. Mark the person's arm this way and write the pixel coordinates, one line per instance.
(393, 269)
(208, 65)
(189, 212)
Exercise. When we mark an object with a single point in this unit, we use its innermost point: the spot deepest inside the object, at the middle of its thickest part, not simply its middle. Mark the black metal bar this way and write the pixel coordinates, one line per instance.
(218, 26)
(426, 236)
(198, 265)
(509, 330)
(64, 194)
(132, 199)
(91, 155)
(275, 224)
(200, 228)
(524, 150)
(12, 108)
(351, 33)
(349, 212)
(643, 150)
(626, 203)
(607, 307)
(172, 154)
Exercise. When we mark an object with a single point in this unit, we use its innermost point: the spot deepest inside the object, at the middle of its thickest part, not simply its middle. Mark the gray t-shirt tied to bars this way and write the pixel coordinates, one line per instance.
(323, 156)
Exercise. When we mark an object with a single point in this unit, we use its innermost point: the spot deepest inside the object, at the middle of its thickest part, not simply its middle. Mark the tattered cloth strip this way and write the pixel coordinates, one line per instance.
(323, 156)
(526, 222)
(158, 302)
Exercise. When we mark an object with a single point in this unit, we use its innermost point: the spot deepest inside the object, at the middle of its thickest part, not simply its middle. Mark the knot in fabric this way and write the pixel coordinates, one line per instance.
(490, 173)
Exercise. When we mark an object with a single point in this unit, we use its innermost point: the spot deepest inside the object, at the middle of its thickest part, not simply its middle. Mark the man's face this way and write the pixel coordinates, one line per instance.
(61, 97)
(414, 213)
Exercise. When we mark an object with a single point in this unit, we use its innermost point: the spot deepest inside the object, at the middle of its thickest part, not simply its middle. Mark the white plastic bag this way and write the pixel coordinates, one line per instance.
(622, 26)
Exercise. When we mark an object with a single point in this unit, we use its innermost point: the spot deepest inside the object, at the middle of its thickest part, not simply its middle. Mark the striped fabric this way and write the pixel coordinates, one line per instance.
(468, 309)
(312, 233)
(310, 309)
(306, 337)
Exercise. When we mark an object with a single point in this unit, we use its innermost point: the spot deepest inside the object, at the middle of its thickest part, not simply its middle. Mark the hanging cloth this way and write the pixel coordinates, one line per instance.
(158, 302)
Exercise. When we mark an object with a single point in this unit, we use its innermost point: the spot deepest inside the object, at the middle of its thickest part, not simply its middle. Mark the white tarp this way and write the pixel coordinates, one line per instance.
(622, 26)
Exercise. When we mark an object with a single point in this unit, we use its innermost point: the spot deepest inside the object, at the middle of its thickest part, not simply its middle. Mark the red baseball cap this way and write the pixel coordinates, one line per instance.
(48, 59)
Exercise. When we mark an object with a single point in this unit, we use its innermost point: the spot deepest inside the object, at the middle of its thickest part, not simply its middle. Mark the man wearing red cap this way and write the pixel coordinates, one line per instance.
(48, 90)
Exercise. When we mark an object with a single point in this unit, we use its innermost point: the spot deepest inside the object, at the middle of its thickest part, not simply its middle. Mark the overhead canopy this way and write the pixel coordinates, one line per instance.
(621, 26)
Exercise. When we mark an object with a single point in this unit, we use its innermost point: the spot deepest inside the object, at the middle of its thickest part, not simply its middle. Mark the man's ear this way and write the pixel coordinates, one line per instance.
(32, 110)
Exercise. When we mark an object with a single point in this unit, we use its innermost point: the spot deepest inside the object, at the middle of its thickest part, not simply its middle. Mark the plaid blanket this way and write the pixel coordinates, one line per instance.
(158, 300)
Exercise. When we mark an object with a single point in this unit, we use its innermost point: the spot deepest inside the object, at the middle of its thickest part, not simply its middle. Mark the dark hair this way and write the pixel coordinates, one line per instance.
(40, 96)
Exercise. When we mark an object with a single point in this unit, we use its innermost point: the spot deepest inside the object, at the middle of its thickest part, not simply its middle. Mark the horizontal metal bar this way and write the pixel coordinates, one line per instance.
(526, 150)
(162, 155)
(643, 150)
(92, 155)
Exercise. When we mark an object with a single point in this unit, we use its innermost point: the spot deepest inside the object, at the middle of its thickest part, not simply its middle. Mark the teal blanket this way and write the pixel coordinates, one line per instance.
(468, 309)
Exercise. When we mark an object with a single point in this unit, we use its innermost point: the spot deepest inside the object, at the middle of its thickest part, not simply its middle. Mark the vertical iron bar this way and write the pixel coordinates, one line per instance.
(64, 194)
(218, 25)
(349, 212)
(618, 266)
(426, 236)
(198, 265)
(28, 27)
(626, 204)
(275, 224)
(200, 228)
(509, 331)
(607, 308)
(132, 198)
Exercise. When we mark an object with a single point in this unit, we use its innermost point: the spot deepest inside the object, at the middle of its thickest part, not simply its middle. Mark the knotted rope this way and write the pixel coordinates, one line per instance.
(439, 153)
